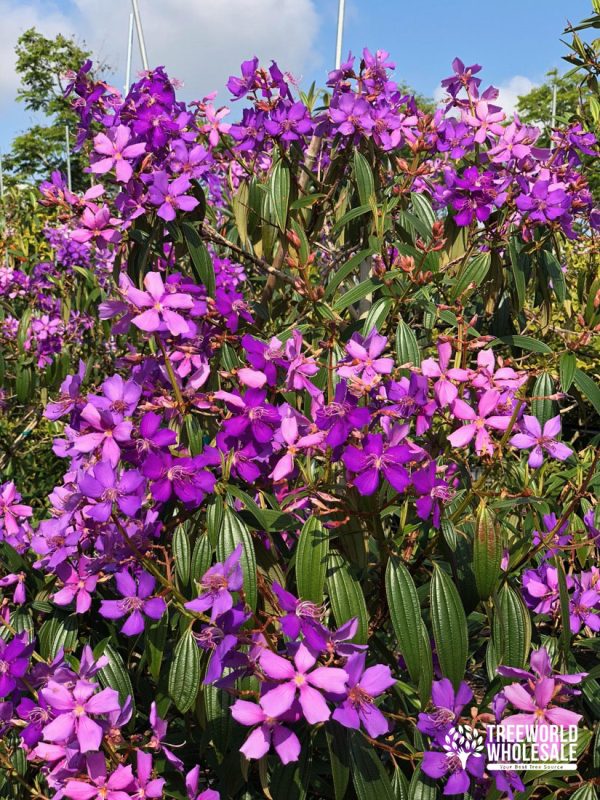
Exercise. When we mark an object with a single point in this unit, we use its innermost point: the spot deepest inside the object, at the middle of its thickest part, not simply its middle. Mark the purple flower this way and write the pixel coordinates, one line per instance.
(478, 422)
(109, 430)
(106, 487)
(544, 203)
(159, 731)
(269, 732)
(458, 761)
(320, 639)
(78, 585)
(298, 612)
(341, 416)
(136, 602)
(216, 586)
(351, 115)
(159, 303)
(146, 786)
(538, 440)
(374, 459)
(252, 415)
(293, 442)
(363, 686)
(445, 391)
(117, 151)
(448, 706)
(14, 662)
(186, 477)
(289, 122)
(75, 711)
(170, 196)
(119, 785)
(11, 509)
(299, 682)
(365, 361)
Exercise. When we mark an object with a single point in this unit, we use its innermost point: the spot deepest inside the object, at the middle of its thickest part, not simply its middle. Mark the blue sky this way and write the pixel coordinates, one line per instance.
(201, 41)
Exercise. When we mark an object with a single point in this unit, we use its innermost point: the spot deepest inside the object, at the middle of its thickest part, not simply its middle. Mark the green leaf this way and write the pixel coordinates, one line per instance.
(567, 366)
(239, 205)
(422, 208)
(363, 176)
(555, 274)
(234, 531)
(182, 554)
(279, 189)
(400, 786)
(511, 628)
(588, 387)
(202, 265)
(345, 595)
(377, 315)
(201, 557)
(356, 293)
(407, 349)
(354, 213)
(523, 342)
(345, 270)
(518, 262)
(543, 407)
(422, 787)
(219, 722)
(311, 560)
(487, 551)
(291, 781)
(184, 675)
(339, 758)
(405, 614)
(114, 675)
(371, 781)
(472, 273)
(156, 637)
(449, 626)
(58, 632)
(563, 593)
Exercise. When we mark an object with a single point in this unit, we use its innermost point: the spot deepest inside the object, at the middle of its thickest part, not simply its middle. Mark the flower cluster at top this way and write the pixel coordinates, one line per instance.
(201, 409)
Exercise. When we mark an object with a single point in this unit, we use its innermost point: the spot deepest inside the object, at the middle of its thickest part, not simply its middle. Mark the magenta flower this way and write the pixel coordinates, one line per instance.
(146, 785)
(11, 509)
(445, 391)
(363, 686)
(75, 711)
(538, 706)
(109, 430)
(78, 585)
(159, 304)
(216, 586)
(351, 115)
(171, 196)
(293, 443)
(16, 579)
(185, 477)
(159, 731)
(538, 440)
(374, 459)
(119, 785)
(299, 612)
(105, 486)
(485, 121)
(96, 224)
(365, 362)
(117, 151)
(214, 125)
(478, 422)
(299, 683)
(14, 662)
(269, 732)
(448, 705)
(136, 602)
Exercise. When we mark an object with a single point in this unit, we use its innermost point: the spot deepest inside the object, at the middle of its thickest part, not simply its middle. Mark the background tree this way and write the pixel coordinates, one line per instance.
(42, 65)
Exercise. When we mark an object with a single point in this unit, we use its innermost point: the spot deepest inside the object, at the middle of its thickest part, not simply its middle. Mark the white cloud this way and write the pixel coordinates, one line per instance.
(201, 42)
(509, 92)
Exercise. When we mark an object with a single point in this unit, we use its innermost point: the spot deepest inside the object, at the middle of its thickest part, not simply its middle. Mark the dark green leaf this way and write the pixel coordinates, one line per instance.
(567, 366)
(407, 349)
(184, 675)
(345, 270)
(182, 554)
(234, 531)
(511, 628)
(487, 551)
(449, 626)
(339, 758)
(588, 387)
(311, 560)
(472, 274)
(363, 176)
(371, 781)
(345, 595)
(279, 188)
(201, 261)
(405, 613)
(114, 675)
(356, 293)
(523, 342)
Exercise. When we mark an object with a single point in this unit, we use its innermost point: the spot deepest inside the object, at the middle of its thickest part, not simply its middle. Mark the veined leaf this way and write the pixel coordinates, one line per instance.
(345, 270)
(588, 387)
(524, 342)
(233, 532)
(311, 560)
(405, 613)
(184, 675)
(543, 407)
(345, 595)
(567, 366)
(449, 626)
(487, 551)
(407, 349)
(472, 273)
(279, 189)
(370, 779)
(202, 264)
(363, 176)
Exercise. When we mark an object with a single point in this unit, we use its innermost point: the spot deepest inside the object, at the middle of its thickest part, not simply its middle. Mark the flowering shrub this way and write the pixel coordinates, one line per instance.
(315, 476)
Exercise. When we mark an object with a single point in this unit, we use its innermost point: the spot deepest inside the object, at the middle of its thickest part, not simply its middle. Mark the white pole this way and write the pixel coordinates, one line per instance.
(340, 33)
(129, 53)
(1, 180)
(68, 150)
(140, 33)
(554, 93)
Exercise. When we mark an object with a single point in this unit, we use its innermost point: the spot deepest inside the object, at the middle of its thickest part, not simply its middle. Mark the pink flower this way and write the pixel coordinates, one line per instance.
(11, 509)
(445, 391)
(478, 423)
(117, 150)
(299, 682)
(540, 440)
(76, 710)
(119, 785)
(159, 304)
(270, 732)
